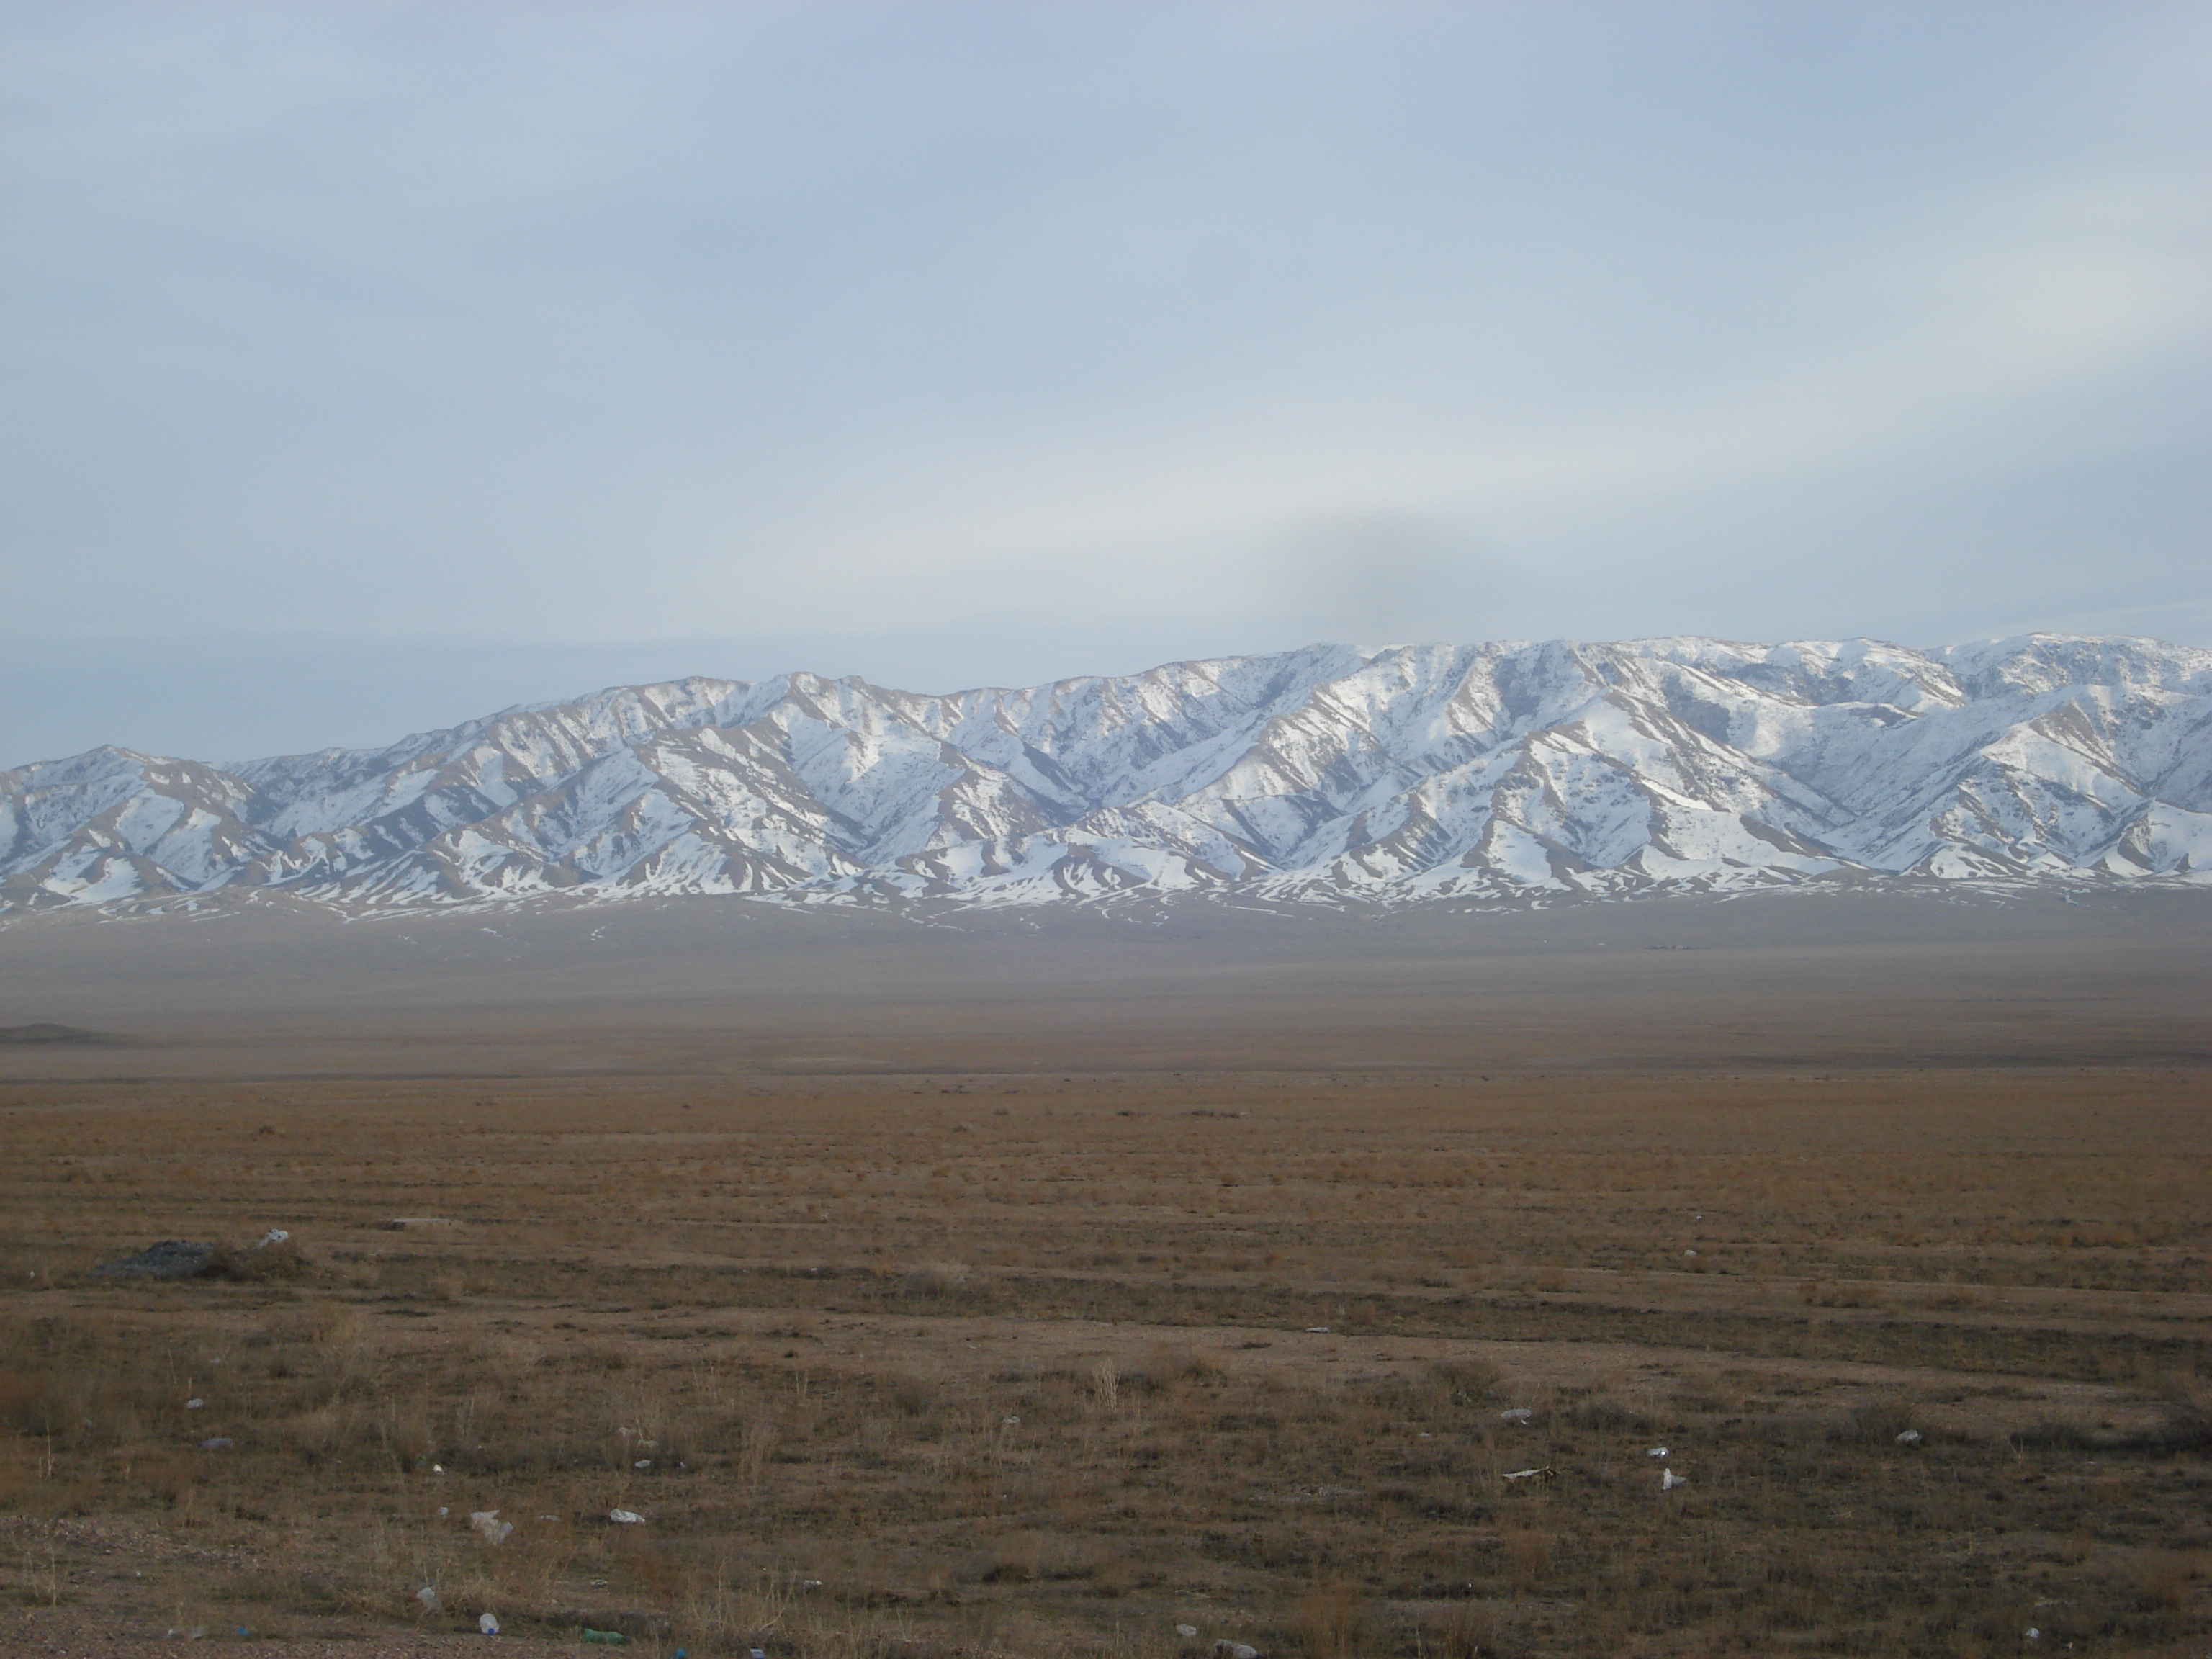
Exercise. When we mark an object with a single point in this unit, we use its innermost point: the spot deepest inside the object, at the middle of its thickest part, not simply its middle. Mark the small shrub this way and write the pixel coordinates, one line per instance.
(1467, 1629)
(261, 1263)
(1330, 1620)
(1527, 1555)
(756, 1449)
(1880, 1422)
(2163, 1576)
(1604, 1416)
(1468, 1382)
(936, 1279)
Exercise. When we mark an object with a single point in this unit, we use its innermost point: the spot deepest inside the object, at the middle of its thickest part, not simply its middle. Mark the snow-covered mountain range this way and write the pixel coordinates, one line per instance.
(1416, 773)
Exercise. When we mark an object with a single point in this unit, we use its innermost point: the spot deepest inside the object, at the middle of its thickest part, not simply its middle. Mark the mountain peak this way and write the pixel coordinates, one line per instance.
(1395, 775)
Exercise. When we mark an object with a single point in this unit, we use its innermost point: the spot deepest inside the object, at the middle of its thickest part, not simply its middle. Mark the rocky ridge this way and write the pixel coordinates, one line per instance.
(1493, 772)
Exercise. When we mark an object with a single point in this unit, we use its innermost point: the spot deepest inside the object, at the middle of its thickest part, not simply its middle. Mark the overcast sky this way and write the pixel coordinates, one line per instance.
(373, 366)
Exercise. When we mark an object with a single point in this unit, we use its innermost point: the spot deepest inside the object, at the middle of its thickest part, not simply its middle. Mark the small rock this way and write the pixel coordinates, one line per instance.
(1909, 1438)
(625, 1517)
(194, 1405)
(1189, 1632)
(219, 1443)
(1516, 1414)
(172, 1258)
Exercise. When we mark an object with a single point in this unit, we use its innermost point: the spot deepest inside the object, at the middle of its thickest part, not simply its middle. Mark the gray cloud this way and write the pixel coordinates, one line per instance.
(1376, 578)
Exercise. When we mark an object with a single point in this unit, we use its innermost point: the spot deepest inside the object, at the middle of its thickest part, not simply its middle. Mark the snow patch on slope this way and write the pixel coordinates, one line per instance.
(1414, 774)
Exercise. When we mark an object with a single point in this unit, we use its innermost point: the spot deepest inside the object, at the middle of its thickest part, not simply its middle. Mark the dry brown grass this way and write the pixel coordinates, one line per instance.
(1034, 1367)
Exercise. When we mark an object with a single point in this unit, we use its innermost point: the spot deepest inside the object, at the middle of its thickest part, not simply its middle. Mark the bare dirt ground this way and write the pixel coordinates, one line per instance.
(1011, 1290)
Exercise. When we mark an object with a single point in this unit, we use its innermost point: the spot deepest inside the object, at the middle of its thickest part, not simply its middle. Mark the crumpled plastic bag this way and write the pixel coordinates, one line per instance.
(489, 1527)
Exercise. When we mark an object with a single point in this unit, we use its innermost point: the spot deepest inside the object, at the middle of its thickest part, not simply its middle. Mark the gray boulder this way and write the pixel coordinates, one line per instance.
(172, 1258)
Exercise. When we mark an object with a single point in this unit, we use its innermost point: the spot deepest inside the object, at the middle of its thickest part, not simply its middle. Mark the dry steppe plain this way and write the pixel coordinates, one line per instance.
(936, 1286)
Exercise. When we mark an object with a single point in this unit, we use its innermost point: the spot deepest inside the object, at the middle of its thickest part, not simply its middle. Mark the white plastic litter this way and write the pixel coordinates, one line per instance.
(1316, 1330)
(1669, 1480)
(642, 1463)
(1517, 1414)
(443, 1511)
(1189, 1632)
(489, 1527)
(1228, 1649)
(274, 1235)
(427, 1595)
(1656, 1451)
(1909, 1438)
(487, 1623)
(1689, 1252)
(625, 1517)
(194, 1405)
